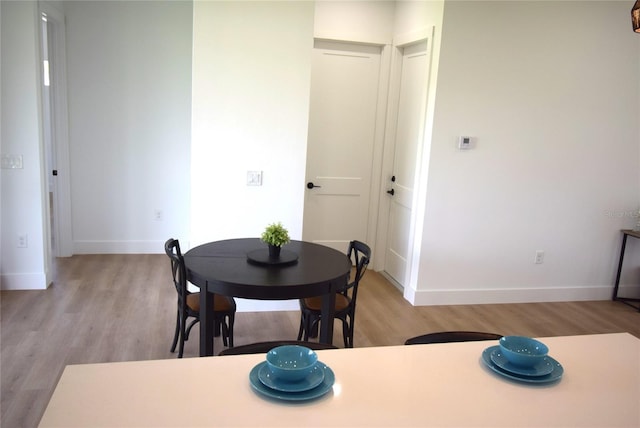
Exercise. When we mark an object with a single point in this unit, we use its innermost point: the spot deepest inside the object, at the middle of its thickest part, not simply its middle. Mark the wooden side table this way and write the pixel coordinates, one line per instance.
(627, 300)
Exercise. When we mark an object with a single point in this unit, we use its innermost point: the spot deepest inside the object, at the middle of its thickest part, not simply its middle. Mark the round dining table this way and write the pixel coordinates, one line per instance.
(242, 268)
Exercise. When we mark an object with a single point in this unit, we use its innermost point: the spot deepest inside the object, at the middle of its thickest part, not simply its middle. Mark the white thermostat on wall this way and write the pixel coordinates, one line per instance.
(464, 143)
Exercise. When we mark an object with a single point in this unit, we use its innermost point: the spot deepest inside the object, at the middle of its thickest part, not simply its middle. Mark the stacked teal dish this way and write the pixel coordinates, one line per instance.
(523, 359)
(292, 373)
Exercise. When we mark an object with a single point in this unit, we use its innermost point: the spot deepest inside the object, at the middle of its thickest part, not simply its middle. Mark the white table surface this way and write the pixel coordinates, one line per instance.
(420, 385)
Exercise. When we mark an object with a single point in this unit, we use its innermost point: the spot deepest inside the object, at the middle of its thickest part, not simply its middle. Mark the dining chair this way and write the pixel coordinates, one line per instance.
(264, 347)
(189, 303)
(345, 307)
(452, 336)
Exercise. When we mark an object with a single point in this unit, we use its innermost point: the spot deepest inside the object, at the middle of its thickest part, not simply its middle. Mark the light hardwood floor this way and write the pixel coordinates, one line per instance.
(105, 308)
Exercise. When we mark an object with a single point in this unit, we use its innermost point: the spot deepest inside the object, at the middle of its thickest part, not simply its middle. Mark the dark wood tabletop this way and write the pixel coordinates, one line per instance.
(223, 267)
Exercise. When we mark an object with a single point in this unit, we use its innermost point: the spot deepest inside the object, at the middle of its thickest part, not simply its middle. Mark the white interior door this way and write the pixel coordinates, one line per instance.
(342, 132)
(409, 130)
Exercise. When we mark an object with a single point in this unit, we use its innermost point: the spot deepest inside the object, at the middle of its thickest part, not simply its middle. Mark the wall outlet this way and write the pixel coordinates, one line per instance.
(539, 257)
(254, 178)
(23, 240)
(158, 215)
(11, 161)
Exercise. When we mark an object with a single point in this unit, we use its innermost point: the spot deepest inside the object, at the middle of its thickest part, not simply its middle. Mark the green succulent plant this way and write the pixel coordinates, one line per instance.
(275, 234)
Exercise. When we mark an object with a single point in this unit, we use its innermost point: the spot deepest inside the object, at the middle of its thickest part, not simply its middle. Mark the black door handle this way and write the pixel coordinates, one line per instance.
(310, 185)
(391, 192)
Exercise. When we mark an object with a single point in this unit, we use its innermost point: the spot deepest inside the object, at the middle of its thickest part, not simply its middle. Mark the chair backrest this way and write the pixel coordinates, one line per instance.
(359, 253)
(178, 270)
(264, 347)
(452, 336)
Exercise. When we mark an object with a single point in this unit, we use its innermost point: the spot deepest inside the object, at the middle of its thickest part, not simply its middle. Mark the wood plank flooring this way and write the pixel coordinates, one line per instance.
(106, 308)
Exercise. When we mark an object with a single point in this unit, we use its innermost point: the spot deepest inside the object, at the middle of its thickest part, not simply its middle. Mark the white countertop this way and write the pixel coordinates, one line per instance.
(420, 385)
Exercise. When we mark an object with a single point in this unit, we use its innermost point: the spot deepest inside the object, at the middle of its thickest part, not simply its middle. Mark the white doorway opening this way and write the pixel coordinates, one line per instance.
(56, 166)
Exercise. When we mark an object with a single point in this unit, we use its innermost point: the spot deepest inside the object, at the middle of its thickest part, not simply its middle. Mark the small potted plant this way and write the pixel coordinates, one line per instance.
(275, 236)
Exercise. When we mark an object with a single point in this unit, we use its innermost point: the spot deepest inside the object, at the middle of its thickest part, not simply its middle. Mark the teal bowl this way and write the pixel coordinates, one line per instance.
(291, 363)
(523, 351)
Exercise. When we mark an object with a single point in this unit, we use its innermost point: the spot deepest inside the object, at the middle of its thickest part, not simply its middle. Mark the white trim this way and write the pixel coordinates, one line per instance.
(23, 281)
(391, 115)
(419, 203)
(378, 148)
(352, 40)
(118, 247)
(60, 125)
(413, 37)
(507, 295)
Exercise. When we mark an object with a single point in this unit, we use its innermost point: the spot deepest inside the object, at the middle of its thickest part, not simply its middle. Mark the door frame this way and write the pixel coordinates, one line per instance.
(62, 228)
(422, 159)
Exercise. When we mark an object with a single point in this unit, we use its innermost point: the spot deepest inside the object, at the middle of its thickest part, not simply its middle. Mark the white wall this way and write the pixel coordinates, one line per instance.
(251, 74)
(552, 102)
(358, 21)
(549, 93)
(251, 82)
(129, 77)
(412, 16)
(22, 189)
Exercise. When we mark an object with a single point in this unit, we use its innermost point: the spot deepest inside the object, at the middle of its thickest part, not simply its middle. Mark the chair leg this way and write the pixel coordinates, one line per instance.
(314, 326)
(188, 330)
(301, 330)
(225, 332)
(308, 324)
(232, 319)
(183, 321)
(177, 333)
(347, 331)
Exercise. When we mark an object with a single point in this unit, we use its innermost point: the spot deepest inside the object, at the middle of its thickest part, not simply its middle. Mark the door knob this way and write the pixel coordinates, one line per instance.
(310, 185)
(391, 192)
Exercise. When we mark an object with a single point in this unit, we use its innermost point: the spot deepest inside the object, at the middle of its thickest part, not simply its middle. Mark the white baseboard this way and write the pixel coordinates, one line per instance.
(512, 295)
(23, 281)
(118, 247)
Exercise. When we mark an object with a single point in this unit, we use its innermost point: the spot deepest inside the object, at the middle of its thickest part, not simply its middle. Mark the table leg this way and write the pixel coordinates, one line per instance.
(615, 288)
(326, 318)
(206, 322)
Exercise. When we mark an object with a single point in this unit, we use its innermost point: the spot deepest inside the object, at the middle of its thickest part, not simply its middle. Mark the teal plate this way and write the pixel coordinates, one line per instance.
(498, 358)
(324, 387)
(314, 379)
(555, 375)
